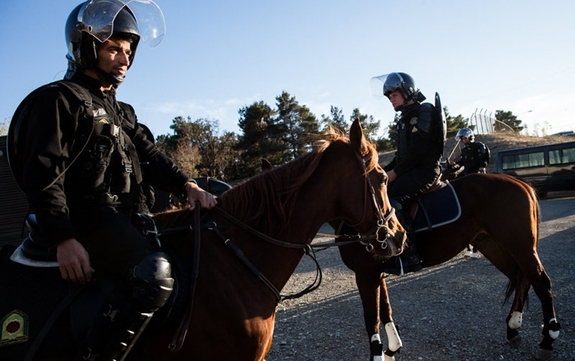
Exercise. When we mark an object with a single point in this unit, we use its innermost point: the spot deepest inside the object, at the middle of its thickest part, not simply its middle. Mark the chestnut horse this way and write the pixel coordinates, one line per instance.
(254, 240)
(500, 218)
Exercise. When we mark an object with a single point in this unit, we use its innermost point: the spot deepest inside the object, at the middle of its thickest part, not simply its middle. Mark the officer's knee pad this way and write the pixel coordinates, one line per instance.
(152, 281)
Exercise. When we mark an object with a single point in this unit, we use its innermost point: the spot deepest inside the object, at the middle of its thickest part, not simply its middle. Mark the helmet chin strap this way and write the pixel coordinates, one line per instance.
(111, 77)
(402, 106)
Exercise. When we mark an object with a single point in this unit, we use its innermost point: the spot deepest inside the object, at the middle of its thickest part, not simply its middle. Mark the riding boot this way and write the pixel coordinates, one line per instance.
(112, 338)
(408, 260)
(107, 320)
(124, 337)
(152, 286)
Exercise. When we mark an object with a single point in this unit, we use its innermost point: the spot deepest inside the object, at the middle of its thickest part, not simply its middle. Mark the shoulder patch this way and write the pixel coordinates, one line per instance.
(14, 328)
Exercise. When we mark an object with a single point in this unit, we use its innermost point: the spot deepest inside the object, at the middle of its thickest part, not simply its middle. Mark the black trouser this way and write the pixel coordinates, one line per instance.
(407, 187)
(115, 246)
(412, 184)
(120, 251)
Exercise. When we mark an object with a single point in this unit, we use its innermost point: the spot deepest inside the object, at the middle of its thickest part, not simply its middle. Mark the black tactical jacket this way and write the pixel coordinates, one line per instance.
(475, 155)
(419, 140)
(74, 159)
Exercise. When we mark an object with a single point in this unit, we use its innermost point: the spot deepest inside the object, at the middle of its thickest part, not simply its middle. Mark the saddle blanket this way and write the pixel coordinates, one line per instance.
(437, 209)
(29, 296)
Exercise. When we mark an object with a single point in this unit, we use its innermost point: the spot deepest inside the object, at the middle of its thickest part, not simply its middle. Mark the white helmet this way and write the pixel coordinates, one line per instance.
(465, 132)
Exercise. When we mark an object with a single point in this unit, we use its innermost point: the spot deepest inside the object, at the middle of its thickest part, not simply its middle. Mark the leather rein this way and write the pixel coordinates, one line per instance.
(308, 248)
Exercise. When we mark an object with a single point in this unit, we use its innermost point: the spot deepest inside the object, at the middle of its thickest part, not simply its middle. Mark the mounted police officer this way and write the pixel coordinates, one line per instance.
(474, 155)
(474, 159)
(76, 153)
(416, 165)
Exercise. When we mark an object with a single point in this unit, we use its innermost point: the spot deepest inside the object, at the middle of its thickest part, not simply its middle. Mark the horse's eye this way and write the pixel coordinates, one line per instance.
(383, 178)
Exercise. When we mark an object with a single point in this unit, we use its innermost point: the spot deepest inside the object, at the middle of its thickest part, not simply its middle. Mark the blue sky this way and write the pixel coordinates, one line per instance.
(219, 56)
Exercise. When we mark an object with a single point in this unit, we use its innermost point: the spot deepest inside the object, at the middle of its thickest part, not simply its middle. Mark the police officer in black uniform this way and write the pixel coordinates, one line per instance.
(474, 155)
(76, 153)
(416, 165)
(474, 159)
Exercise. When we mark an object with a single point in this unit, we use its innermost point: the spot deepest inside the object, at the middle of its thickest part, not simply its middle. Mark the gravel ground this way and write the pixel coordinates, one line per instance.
(450, 312)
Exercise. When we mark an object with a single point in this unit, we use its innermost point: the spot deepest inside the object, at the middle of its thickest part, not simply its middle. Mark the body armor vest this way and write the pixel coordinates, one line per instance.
(108, 169)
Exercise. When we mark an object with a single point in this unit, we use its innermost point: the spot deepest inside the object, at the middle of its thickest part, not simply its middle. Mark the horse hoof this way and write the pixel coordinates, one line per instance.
(544, 354)
(515, 341)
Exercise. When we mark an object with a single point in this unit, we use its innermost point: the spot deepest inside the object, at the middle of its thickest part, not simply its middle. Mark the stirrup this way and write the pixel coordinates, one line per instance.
(122, 346)
(397, 268)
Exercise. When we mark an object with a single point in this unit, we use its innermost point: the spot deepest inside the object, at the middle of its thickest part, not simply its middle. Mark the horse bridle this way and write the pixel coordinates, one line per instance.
(382, 221)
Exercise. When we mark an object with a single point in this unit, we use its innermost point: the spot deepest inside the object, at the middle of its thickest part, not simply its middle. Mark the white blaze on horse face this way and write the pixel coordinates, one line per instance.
(515, 320)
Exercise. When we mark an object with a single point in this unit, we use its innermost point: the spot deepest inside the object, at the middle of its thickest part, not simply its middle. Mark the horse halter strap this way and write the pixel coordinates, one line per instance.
(381, 220)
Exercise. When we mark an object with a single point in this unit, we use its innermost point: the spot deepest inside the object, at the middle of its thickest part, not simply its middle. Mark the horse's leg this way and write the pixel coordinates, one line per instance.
(542, 287)
(373, 293)
(515, 318)
(509, 267)
(369, 291)
(368, 278)
(375, 301)
(394, 343)
(530, 271)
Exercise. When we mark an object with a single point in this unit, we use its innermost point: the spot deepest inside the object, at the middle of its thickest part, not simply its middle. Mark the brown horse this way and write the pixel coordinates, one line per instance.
(256, 237)
(499, 217)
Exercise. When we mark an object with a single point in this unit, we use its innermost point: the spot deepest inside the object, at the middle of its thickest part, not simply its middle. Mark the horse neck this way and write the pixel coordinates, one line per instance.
(298, 224)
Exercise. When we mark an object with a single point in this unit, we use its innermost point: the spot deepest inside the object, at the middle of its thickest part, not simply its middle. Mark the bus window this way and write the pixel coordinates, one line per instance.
(518, 161)
(562, 156)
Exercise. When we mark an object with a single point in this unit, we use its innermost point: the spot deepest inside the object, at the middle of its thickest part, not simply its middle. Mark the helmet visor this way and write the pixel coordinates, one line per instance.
(377, 85)
(97, 18)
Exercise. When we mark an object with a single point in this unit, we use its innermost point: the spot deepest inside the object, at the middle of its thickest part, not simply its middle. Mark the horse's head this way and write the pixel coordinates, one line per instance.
(365, 202)
(340, 180)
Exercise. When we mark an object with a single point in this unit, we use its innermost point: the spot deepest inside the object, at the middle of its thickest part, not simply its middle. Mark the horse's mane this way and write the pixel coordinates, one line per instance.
(267, 200)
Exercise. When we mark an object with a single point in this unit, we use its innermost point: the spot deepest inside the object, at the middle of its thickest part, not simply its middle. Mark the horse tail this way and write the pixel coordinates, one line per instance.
(520, 291)
(536, 213)
(520, 283)
(534, 209)
(509, 289)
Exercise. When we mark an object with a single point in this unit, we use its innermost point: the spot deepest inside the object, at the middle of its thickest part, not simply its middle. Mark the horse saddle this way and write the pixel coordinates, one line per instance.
(40, 302)
(34, 252)
(435, 208)
(35, 300)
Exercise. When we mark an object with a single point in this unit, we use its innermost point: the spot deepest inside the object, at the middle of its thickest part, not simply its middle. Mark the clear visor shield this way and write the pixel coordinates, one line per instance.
(97, 18)
(376, 85)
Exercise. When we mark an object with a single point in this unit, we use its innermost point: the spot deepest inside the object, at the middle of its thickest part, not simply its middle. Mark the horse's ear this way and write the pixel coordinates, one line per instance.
(266, 164)
(357, 138)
